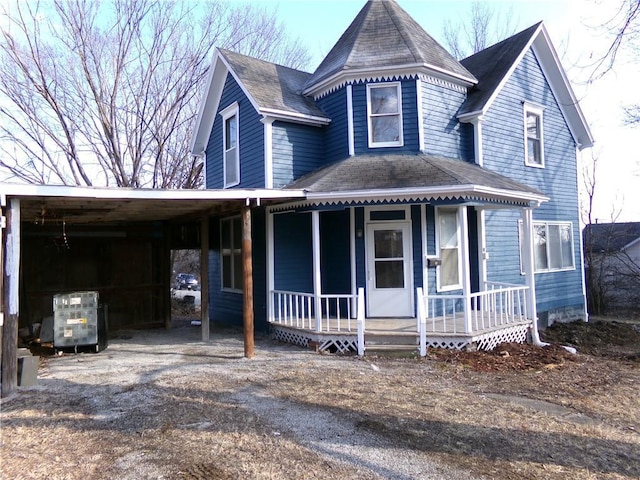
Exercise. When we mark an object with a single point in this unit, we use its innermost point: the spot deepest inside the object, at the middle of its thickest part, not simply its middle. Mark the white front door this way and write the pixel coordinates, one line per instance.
(389, 273)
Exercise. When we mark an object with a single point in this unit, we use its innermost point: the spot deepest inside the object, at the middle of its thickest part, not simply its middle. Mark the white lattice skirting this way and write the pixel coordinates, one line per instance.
(323, 342)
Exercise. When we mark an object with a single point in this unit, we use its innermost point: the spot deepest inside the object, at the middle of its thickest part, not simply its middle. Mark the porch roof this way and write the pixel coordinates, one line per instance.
(407, 176)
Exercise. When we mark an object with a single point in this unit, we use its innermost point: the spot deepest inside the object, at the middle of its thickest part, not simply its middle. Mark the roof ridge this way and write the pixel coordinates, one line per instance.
(407, 39)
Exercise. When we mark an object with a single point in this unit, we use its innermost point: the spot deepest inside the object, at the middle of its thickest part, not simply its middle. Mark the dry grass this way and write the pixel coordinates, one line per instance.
(153, 408)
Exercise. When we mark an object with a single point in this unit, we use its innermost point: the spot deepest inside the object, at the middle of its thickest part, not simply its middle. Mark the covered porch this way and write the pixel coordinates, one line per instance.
(480, 320)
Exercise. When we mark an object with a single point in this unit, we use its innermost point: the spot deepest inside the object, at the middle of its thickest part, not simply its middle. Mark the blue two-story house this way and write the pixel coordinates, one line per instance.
(440, 197)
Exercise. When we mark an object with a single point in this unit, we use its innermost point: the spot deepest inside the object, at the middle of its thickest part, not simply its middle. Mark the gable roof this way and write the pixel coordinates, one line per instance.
(420, 174)
(273, 90)
(383, 37)
(610, 237)
(494, 65)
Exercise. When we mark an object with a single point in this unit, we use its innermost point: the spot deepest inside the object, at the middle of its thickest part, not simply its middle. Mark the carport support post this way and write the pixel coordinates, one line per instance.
(204, 277)
(247, 270)
(11, 300)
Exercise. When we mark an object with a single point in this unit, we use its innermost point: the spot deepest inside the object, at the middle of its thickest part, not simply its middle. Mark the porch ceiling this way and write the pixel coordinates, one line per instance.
(80, 205)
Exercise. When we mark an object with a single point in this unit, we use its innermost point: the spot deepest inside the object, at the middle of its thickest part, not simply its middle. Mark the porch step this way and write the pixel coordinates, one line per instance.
(396, 344)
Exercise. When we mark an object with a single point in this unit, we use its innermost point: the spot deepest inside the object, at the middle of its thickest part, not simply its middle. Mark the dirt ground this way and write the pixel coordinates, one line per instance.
(165, 405)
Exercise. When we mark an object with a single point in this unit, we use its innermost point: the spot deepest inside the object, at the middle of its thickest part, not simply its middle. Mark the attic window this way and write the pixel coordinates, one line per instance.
(534, 149)
(384, 109)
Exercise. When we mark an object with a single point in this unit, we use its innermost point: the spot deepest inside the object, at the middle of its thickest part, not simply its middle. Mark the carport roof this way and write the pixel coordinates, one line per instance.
(91, 205)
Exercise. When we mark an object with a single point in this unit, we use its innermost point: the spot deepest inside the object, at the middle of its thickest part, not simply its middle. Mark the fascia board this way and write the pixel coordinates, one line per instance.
(26, 191)
(561, 88)
(342, 76)
(208, 105)
(457, 190)
(295, 117)
(631, 244)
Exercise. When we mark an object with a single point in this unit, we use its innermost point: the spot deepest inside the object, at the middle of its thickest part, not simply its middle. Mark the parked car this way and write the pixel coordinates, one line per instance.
(186, 281)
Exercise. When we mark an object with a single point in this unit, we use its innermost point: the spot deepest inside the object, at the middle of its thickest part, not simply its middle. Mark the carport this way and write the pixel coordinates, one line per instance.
(57, 239)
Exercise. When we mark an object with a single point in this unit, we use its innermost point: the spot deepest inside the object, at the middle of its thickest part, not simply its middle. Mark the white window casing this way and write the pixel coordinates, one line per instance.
(449, 272)
(384, 115)
(552, 246)
(231, 145)
(533, 136)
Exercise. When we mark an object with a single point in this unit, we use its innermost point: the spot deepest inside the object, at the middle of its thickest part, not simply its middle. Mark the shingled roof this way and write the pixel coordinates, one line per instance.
(402, 171)
(610, 237)
(491, 65)
(382, 36)
(273, 87)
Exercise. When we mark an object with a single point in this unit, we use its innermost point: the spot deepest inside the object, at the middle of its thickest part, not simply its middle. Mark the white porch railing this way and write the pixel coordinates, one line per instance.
(295, 309)
(498, 305)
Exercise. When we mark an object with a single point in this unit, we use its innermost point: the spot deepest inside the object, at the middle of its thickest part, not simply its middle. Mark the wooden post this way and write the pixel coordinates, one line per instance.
(11, 300)
(247, 270)
(204, 277)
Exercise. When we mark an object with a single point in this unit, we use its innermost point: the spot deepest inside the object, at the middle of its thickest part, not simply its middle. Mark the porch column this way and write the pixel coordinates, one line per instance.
(466, 277)
(271, 276)
(482, 250)
(317, 277)
(528, 264)
(204, 277)
(247, 283)
(11, 300)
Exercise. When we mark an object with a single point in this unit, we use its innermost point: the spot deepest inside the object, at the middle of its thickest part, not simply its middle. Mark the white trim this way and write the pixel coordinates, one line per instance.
(385, 72)
(271, 279)
(268, 151)
(465, 264)
(58, 191)
(425, 254)
(483, 254)
(295, 117)
(352, 255)
(477, 136)
(529, 263)
(317, 273)
(529, 108)
(350, 131)
(398, 114)
(420, 106)
(458, 286)
(12, 259)
(227, 113)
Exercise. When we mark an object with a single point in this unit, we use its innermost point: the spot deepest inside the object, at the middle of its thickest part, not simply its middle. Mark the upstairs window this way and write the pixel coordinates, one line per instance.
(231, 160)
(534, 149)
(384, 112)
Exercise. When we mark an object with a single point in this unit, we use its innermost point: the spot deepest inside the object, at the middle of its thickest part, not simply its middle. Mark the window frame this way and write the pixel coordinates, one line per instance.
(439, 249)
(529, 109)
(234, 254)
(229, 112)
(371, 115)
(548, 247)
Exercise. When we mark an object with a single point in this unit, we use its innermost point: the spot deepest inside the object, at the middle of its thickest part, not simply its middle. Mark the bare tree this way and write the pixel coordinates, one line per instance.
(105, 93)
(482, 27)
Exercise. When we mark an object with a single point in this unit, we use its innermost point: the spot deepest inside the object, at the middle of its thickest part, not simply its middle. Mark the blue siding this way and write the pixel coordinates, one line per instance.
(503, 146)
(444, 135)
(293, 252)
(336, 134)
(251, 132)
(297, 150)
(409, 120)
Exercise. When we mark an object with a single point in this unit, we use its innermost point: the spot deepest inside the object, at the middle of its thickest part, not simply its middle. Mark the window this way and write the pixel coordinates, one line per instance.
(231, 165)
(231, 249)
(384, 108)
(534, 151)
(449, 276)
(552, 246)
